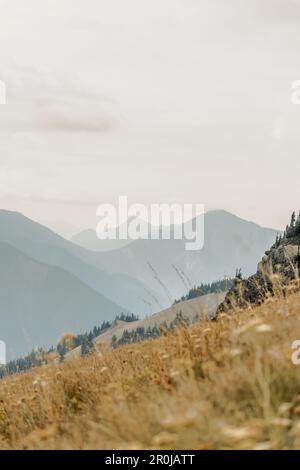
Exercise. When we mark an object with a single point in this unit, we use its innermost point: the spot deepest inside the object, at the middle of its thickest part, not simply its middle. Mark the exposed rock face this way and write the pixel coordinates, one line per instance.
(282, 261)
(279, 266)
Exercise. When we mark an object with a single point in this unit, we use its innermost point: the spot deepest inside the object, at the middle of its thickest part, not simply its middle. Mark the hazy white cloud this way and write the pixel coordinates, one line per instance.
(40, 102)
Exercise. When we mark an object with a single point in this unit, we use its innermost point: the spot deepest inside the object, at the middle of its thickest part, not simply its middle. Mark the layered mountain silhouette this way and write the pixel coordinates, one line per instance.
(50, 285)
(166, 267)
(45, 246)
(88, 239)
(39, 302)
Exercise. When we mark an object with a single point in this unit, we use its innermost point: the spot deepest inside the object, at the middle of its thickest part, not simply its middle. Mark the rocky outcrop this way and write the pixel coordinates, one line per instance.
(278, 268)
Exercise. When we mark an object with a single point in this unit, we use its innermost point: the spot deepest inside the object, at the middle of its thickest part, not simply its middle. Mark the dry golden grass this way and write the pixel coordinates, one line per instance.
(227, 384)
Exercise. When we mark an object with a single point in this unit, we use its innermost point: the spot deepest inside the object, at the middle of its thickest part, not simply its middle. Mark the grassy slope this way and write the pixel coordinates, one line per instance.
(223, 384)
(203, 305)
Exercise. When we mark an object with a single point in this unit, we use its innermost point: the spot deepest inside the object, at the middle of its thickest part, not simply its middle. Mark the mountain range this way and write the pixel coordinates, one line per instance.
(167, 268)
(39, 302)
(50, 285)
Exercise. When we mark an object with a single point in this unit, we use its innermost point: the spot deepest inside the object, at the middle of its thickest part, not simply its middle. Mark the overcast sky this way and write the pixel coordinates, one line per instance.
(160, 100)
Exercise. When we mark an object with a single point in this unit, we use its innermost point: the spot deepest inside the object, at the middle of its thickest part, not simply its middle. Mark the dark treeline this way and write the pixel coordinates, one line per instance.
(141, 333)
(134, 336)
(40, 356)
(34, 359)
(291, 233)
(85, 341)
(213, 288)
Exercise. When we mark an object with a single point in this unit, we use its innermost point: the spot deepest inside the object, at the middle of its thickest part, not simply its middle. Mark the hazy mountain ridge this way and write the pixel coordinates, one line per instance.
(88, 239)
(165, 265)
(92, 287)
(146, 274)
(43, 245)
(38, 303)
